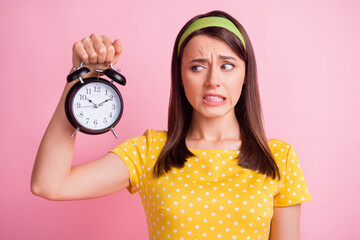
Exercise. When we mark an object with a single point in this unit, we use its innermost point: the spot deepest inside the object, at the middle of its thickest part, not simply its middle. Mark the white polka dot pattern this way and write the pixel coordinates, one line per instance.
(210, 197)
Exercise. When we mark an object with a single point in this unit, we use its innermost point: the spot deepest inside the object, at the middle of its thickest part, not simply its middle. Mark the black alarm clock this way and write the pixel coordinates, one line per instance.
(94, 105)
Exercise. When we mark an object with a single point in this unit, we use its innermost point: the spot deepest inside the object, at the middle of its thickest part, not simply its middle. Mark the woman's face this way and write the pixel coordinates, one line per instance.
(212, 76)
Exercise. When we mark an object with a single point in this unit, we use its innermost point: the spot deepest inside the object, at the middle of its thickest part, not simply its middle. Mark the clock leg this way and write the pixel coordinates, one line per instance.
(113, 131)
(77, 129)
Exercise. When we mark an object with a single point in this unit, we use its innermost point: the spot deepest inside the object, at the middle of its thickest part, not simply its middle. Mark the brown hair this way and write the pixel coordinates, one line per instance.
(254, 151)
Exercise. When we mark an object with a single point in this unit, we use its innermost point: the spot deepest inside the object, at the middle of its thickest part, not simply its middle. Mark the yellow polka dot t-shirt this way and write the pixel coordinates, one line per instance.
(210, 197)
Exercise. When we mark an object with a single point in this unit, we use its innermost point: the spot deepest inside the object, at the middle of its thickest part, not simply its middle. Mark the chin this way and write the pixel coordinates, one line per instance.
(215, 113)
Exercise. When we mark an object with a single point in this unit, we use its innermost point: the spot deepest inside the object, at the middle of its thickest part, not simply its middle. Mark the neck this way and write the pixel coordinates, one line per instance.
(221, 133)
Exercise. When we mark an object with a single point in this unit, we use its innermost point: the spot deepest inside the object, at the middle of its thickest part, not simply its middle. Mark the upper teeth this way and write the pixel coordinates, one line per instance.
(213, 99)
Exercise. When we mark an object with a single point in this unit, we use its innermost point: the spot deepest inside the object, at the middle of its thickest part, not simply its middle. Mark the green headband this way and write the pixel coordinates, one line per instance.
(211, 22)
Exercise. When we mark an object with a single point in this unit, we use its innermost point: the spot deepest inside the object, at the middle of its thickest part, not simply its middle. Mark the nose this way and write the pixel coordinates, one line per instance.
(213, 79)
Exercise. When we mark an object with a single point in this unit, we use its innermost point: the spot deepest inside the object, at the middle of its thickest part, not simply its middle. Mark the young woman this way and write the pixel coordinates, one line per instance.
(213, 174)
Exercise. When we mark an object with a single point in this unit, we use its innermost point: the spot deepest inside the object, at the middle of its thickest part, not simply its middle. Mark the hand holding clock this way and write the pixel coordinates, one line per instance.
(96, 52)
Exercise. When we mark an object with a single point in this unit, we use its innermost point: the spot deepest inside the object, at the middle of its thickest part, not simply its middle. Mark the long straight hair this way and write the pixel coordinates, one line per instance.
(254, 150)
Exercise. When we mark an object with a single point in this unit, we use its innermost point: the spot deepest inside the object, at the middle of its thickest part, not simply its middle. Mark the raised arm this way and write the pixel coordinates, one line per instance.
(53, 175)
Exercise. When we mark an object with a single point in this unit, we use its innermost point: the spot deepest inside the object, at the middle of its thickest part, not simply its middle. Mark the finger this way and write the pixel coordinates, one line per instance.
(79, 54)
(110, 50)
(118, 50)
(99, 47)
(90, 50)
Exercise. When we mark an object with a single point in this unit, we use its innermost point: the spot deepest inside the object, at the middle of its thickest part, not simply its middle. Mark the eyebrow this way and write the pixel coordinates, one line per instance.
(201, 60)
(227, 57)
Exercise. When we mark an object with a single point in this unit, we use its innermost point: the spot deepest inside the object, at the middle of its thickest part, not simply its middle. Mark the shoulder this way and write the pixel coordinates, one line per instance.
(155, 136)
(280, 150)
(150, 137)
(155, 133)
(284, 155)
(140, 147)
(276, 144)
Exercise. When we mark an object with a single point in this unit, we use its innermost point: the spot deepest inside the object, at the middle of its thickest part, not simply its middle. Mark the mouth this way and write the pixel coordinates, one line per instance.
(214, 99)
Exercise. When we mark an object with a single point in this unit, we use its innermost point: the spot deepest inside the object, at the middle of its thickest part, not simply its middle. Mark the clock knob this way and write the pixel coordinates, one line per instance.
(114, 75)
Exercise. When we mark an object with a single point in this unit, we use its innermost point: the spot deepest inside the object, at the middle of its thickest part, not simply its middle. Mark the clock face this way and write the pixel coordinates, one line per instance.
(96, 106)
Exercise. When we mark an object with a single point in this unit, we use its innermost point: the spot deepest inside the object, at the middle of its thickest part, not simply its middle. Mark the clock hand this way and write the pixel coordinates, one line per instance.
(87, 106)
(95, 105)
(91, 101)
(100, 104)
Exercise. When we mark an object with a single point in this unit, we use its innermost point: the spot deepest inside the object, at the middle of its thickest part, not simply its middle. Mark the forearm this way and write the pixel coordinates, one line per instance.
(54, 157)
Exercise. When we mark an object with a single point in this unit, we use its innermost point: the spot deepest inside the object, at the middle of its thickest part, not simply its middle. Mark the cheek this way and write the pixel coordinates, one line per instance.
(189, 91)
(236, 91)
(191, 85)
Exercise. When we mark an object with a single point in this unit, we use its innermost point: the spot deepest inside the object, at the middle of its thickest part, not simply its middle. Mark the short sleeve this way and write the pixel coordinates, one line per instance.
(293, 189)
(134, 153)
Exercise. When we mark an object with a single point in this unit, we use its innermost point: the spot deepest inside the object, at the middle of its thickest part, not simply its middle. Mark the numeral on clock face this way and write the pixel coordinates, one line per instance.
(97, 88)
(96, 105)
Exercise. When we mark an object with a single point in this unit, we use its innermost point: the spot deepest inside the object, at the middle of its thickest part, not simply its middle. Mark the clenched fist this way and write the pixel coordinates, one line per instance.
(96, 52)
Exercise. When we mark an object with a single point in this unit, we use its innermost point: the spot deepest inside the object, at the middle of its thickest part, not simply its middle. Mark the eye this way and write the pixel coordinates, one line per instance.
(196, 68)
(227, 66)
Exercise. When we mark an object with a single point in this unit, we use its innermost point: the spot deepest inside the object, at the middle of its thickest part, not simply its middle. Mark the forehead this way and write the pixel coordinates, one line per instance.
(204, 46)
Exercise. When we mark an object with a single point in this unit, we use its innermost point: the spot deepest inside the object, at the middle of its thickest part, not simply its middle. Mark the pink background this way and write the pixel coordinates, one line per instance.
(308, 62)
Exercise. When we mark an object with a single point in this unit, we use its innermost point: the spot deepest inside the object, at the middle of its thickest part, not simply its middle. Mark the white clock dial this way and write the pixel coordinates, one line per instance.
(96, 106)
